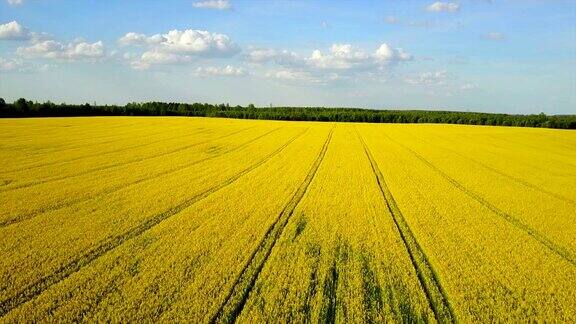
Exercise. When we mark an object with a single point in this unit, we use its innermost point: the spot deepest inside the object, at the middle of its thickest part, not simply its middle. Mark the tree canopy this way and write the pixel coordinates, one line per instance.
(27, 108)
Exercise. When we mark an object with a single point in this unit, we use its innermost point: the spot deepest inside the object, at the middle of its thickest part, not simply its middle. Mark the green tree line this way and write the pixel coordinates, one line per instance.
(27, 108)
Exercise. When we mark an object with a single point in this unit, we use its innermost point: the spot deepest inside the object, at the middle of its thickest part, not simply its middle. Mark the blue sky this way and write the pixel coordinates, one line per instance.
(476, 55)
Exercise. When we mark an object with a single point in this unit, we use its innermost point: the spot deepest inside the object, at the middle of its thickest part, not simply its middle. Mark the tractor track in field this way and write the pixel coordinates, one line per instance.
(553, 247)
(39, 182)
(35, 166)
(512, 160)
(18, 140)
(427, 276)
(33, 290)
(75, 145)
(244, 283)
(515, 179)
(504, 174)
(538, 149)
(529, 144)
(54, 207)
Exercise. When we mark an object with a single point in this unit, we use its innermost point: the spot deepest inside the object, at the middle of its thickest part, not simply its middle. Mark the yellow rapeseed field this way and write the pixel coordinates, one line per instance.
(217, 220)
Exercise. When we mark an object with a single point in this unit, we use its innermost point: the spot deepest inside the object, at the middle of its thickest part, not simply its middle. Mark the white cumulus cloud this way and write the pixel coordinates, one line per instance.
(199, 42)
(195, 42)
(387, 53)
(338, 57)
(444, 7)
(84, 50)
(55, 50)
(212, 4)
(150, 58)
(15, 2)
(179, 46)
(14, 31)
(140, 39)
(348, 57)
(339, 62)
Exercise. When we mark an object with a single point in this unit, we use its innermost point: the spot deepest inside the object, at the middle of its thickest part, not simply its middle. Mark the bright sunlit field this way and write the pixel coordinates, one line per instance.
(199, 220)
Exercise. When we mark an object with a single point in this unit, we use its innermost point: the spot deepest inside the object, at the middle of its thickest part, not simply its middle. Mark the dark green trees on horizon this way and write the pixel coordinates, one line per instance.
(27, 108)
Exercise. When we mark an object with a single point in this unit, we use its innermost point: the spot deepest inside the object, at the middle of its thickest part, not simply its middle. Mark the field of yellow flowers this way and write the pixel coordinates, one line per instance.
(219, 220)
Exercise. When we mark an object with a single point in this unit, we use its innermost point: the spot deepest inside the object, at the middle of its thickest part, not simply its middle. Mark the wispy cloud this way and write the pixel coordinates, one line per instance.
(429, 78)
(22, 66)
(391, 20)
(227, 71)
(496, 36)
(15, 2)
(10, 64)
(467, 86)
(212, 4)
(444, 7)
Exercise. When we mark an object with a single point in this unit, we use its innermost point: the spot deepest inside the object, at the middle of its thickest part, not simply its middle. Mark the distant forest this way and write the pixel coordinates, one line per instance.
(26, 108)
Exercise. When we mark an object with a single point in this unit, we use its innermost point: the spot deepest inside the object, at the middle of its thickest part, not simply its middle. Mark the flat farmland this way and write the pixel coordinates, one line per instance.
(222, 220)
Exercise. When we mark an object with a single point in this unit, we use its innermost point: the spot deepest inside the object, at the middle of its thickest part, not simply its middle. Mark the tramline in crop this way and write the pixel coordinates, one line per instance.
(219, 220)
